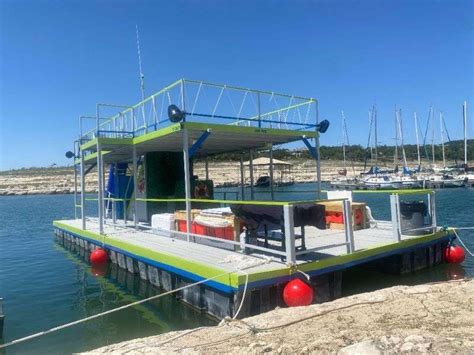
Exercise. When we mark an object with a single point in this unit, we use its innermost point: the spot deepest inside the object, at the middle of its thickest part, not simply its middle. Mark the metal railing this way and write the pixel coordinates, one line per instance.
(211, 103)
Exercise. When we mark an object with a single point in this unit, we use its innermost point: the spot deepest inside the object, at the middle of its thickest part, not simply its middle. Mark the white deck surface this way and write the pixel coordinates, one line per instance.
(227, 259)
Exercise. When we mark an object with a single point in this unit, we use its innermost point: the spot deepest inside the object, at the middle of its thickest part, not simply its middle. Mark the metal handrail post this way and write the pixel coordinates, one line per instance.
(75, 179)
(289, 235)
(432, 208)
(348, 226)
(100, 178)
(251, 175)
(272, 187)
(187, 182)
(83, 191)
(242, 176)
(135, 186)
(183, 101)
(318, 159)
(395, 214)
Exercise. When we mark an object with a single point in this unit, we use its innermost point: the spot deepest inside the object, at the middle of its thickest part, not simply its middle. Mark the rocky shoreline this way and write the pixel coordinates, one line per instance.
(60, 180)
(430, 318)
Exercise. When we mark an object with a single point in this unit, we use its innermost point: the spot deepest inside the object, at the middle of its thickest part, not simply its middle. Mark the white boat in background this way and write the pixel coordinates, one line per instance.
(382, 182)
(445, 181)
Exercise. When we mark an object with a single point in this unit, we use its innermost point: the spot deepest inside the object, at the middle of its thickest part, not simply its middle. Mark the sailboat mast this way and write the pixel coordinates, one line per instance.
(441, 120)
(417, 140)
(400, 127)
(464, 112)
(395, 155)
(343, 124)
(432, 136)
(374, 112)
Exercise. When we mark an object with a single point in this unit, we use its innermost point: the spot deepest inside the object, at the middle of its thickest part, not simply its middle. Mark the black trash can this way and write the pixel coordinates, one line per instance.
(412, 216)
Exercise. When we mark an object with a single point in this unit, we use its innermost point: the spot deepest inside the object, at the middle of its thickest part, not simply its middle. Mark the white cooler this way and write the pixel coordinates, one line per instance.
(163, 224)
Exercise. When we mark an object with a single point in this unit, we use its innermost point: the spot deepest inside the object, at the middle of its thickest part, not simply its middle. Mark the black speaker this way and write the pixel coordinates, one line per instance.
(322, 126)
(175, 114)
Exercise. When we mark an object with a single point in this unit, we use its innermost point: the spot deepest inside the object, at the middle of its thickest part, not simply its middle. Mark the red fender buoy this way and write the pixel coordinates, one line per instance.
(454, 254)
(98, 256)
(297, 293)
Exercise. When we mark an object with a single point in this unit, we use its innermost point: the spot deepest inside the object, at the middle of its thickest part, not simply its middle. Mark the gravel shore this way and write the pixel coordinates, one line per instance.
(430, 318)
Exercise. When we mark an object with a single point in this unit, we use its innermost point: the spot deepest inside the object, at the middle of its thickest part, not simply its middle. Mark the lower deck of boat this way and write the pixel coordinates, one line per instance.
(230, 268)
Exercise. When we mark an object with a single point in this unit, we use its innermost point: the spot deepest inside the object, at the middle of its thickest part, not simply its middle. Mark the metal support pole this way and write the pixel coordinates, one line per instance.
(251, 174)
(348, 226)
(272, 192)
(289, 235)
(114, 212)
(83, 192)
(395, 213)
(100, 178)
(75, 180)
(135, 186)
(318, 159)
(124, 211)
(206, 164)
(432, 208)
(242, 177)
(187, 181)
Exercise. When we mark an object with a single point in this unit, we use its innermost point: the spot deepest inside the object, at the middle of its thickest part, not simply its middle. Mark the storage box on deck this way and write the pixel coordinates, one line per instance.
(180, 218)
(335, 217)
(222, 227)
(164, 223)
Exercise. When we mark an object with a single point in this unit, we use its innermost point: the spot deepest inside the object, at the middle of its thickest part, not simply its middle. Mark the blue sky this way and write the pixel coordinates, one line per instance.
(59, 58)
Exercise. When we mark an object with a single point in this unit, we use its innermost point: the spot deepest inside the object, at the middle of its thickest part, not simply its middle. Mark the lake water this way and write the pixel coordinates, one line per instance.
(45, 285)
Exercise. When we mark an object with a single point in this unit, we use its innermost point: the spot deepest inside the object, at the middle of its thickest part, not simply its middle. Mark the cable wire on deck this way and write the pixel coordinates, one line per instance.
(83, 320)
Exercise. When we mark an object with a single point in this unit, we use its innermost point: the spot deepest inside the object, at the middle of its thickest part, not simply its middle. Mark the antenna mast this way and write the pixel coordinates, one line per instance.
(142, 77)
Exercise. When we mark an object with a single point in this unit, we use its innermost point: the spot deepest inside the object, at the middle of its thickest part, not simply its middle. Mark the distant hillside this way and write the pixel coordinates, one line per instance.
(454, 151)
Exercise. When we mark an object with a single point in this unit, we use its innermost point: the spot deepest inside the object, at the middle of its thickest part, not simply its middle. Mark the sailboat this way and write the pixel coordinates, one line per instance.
(375, 178)
(342, 181)
(443, 178)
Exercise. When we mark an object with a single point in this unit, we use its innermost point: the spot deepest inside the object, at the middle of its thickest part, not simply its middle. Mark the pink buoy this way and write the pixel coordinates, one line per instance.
(297, 293)
(98, 256)
(454, 254)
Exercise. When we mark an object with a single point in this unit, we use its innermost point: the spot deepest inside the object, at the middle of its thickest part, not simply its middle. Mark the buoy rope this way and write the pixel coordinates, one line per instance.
(462, 243)
(83, 320)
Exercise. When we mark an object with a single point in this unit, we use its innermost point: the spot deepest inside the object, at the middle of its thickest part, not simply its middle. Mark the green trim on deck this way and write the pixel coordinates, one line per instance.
(106, 141)
(156, 134)
(198, 269)
(248, 130)
(93, 156)
(344, 259)
(236, 279)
